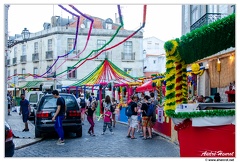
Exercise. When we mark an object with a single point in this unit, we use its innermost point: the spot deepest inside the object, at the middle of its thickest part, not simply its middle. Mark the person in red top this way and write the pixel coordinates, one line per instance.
(107, 120)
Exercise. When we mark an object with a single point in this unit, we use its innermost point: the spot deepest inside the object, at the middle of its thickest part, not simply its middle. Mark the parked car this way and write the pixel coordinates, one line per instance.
(9, 145)
(33, 97)
(45, 110)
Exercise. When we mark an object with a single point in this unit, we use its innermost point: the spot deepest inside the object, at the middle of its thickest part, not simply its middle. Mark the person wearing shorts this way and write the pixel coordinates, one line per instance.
(134, 118)
(146, 122)
(25, 111)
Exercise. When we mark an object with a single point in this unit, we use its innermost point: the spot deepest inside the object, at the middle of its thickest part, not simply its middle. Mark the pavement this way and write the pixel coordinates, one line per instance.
(21, 139)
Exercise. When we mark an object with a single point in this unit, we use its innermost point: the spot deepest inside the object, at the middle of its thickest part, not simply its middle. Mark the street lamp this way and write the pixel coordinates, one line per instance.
(25, 36)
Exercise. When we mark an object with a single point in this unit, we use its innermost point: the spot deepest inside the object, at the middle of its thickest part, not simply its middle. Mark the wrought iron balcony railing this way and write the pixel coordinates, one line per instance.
(14, 60)
(23, 59)
(35, 57)
(49, 55)
(207, 19)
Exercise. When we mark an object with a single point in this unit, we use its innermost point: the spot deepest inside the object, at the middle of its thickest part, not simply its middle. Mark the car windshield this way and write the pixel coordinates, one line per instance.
(49, 102)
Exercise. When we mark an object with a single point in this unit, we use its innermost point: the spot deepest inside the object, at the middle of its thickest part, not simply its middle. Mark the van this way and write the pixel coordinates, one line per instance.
(33, 97)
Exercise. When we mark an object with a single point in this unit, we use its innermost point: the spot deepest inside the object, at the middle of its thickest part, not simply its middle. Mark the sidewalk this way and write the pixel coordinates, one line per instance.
(21, 139)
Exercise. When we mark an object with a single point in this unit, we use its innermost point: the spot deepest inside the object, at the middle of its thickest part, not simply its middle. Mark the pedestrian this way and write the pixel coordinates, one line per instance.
(9, 104)
(25, 111)
(155, 102)
(133, 119)
(82, 102)
(107, 120)
(114, 106)
(146, 122)
(139, 128)
(89, 112)
(59, 116)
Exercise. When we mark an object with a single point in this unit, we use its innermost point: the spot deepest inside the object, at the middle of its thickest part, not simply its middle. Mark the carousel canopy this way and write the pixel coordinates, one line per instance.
(106, 72)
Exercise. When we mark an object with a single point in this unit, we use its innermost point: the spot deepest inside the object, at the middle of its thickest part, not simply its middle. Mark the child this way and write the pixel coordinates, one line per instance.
(107, 120)
(90, 112)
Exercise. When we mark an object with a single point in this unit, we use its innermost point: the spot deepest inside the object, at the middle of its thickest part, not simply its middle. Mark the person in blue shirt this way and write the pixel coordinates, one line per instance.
(25, 111)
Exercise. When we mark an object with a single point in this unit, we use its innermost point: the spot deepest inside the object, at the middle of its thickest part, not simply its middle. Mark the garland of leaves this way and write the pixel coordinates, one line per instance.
(178, 82)
(200, 113)
(207, 40)
(184, 83)
(170, 48)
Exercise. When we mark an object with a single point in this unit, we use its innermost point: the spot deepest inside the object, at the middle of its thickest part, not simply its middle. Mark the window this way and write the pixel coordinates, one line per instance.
(101, 43)
(35, 47)
(35, 70)
(70, 44)
(23, 50)
(194, 14)
(8, 73)
(157, 47)
(212, 9)
(223, 9)
(15, 51)
(49, 44)
(128, 51)
(50, 71)
(149, 45)
(71, 75)
(128, 70)
(23, 72)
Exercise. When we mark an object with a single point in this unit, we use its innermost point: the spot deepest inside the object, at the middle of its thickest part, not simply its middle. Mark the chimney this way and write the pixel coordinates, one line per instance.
(54, 21)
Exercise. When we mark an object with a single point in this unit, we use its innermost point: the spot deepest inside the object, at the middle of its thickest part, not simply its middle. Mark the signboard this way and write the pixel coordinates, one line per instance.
(160, 115)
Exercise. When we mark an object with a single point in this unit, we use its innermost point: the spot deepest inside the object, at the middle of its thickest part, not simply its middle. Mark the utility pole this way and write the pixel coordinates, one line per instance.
(6, 7)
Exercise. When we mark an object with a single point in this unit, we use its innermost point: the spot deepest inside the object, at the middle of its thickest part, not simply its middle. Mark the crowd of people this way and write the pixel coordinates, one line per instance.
(137, 122)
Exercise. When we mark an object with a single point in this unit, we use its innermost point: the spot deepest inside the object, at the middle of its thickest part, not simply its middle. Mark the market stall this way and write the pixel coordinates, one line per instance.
(108, 79)
(201, 133)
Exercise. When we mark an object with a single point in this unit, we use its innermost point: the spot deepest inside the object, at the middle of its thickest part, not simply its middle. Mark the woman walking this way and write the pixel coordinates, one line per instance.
(89, 112)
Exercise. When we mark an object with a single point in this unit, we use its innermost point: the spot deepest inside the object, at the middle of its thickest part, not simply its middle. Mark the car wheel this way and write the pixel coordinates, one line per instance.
(37, 133)
(79, 133)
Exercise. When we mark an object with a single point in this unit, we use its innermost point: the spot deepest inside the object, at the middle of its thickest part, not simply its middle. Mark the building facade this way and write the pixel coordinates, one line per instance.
(50, 53)
(154, 56)
(196, 16)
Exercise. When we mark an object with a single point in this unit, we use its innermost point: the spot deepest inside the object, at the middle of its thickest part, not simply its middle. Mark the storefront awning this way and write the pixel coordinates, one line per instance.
(32, 84)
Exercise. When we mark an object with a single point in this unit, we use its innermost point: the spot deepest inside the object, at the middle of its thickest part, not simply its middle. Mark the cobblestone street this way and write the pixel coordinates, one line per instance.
(107, 145)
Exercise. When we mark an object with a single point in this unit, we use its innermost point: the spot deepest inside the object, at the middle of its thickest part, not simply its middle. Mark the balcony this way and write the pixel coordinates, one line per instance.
(23, 59)
(207, 19)
(71, 55)
(51, 75)
(8, 62)
(35, 57)
(49, 55)
(128, 56)
(14, 60)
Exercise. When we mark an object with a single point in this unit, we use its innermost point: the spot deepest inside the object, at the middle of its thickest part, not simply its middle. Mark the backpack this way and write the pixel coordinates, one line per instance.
(150, 110)
(128, 110)
(82, 103)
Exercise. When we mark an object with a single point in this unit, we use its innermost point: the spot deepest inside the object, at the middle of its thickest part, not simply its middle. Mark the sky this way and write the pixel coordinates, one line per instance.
(162, 21)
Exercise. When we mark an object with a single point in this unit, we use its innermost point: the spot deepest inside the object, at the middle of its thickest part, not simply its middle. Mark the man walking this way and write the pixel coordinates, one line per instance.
(25, 111)
(59, 116)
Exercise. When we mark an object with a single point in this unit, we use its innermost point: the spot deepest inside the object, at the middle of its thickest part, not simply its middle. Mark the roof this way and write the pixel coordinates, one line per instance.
(32, 84)
(105, 73)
